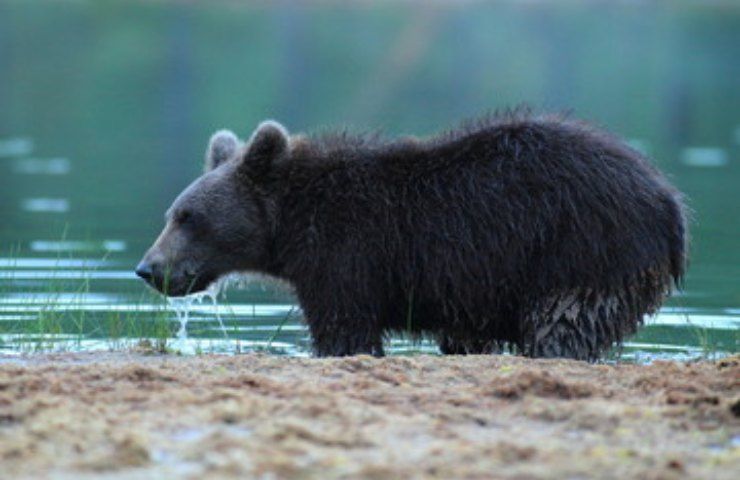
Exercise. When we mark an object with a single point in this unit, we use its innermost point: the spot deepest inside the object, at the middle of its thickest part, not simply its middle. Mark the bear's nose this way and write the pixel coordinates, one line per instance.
(144, 270)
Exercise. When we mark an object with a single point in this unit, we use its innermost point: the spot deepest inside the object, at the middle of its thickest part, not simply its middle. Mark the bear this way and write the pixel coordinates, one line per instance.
(536, 233)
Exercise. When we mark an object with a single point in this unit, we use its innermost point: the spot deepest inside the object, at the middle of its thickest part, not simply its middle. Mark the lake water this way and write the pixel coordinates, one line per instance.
(106, 109)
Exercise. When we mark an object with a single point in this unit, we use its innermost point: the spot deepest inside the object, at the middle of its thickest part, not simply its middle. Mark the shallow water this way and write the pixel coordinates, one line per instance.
(96, 139)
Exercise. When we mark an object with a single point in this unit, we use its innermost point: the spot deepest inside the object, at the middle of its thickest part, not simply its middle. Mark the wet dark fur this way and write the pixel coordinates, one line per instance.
(537, 232)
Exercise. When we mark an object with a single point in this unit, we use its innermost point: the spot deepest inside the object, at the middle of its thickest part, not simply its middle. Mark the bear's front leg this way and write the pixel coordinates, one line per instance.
(351, 338)
(341, 332)
(338, 330)
(342, 299)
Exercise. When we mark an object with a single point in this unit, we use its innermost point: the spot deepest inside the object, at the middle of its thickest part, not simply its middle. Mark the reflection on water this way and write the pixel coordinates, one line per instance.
(17, 317)
(67, 274)
(84, 185)
(704, 157)
(56, 205)
(81, 300)
(53, 263)
(77, 246)
(42, 166)
(15, 147)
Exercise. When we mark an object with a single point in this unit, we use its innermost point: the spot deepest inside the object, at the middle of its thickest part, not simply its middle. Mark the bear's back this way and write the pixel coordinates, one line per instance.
(518, 187)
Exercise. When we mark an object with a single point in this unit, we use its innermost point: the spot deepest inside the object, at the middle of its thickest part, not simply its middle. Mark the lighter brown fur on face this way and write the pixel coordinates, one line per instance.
(221, 222)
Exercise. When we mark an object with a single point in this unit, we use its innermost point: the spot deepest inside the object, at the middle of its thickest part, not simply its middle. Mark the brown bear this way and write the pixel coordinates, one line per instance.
(537, 233)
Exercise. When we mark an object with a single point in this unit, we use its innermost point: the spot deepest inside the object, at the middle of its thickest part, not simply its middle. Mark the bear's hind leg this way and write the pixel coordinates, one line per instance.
(578, 326)
(563, 340)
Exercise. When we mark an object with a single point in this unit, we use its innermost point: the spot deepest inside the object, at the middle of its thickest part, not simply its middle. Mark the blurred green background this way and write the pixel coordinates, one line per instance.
(106, 107)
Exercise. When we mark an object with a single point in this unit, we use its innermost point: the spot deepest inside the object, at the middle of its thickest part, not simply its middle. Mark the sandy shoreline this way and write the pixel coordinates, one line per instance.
(121, 415)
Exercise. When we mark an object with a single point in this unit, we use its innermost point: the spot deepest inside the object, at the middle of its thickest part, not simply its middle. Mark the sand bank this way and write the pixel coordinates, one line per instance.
(121, 415)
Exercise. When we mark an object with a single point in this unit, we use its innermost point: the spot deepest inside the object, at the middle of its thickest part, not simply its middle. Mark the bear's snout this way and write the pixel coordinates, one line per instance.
(150, 272)
(144, 271)
(171, 280)
(154, 274)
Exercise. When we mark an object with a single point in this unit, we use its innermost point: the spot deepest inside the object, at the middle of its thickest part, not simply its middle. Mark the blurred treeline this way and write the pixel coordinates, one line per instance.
(130, 91)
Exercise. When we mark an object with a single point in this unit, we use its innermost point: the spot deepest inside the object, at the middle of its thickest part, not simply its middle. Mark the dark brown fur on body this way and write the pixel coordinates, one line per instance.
(537, 232)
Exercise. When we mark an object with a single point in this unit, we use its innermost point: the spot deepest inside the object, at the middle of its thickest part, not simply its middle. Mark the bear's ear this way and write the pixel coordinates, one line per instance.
(268, 144)
(221, 147)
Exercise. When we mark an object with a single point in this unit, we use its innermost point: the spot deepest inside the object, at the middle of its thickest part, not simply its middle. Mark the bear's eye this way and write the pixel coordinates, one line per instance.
(190, 221)
(184, 217)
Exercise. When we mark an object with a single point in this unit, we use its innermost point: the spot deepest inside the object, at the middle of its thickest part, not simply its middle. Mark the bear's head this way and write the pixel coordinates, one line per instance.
(222, 222)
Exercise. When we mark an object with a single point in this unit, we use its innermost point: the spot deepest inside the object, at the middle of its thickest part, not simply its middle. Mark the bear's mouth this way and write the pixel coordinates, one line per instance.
(182, 285)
